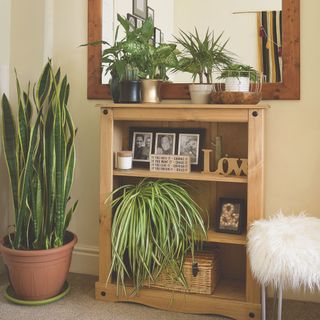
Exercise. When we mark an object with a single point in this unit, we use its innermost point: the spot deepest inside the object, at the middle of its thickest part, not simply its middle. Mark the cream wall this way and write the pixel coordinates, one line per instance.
(292, 128)
(239, 29)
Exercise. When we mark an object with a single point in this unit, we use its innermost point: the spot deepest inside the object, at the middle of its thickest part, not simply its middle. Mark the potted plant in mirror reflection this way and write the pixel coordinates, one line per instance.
(238, 77)
(241, 85)
(201, 57)
(155, 223)
(40, 155)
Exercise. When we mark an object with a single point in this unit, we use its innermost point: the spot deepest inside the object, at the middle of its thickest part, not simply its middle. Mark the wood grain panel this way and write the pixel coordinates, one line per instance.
(255, 184)
(106, 186)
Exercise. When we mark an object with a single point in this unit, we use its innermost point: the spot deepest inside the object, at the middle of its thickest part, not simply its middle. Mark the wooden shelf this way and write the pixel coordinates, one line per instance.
(190, 105)
(218, 237)
(179, 176)
(228, 299)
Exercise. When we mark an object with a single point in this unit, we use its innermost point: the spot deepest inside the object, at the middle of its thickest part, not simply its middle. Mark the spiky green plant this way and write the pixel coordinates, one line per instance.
(202, 56)
(240, 70)
(40, 156)
(154, 224)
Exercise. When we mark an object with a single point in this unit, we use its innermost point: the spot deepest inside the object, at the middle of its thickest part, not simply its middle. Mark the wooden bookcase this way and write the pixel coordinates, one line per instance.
(242, 129)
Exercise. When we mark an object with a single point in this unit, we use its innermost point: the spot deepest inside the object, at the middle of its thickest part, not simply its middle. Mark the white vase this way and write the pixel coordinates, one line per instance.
(237, 84)
(200, 93)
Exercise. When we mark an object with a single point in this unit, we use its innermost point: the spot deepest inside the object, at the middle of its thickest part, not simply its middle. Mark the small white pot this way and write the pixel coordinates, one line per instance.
(200, 93)
(237, 84)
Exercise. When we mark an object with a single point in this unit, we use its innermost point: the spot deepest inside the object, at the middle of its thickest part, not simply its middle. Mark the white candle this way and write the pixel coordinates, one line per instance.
(124, 160)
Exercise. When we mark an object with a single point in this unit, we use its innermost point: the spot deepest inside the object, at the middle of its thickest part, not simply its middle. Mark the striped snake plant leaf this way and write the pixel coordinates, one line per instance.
(25, 183)
(49, 169)
(43, 86)
(28, 105)
(58, 218)
(69, 215)
(10, 144)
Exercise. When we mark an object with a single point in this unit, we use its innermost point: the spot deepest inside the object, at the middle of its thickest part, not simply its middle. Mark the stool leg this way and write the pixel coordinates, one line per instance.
(263, 303)
(280, 304)
(275, 300)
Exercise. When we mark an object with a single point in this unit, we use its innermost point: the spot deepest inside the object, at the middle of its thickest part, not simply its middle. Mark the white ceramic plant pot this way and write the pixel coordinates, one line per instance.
(200, 93)
(237, 84)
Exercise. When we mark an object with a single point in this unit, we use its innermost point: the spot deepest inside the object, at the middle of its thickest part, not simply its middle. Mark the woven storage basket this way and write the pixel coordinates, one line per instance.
(202, 276)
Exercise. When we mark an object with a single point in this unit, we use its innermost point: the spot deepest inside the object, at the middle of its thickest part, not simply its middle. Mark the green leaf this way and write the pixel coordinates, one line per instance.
(44, 85)
(10, 150)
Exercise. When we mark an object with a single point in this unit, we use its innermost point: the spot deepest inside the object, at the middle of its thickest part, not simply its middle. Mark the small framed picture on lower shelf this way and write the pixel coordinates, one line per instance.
(230, 217)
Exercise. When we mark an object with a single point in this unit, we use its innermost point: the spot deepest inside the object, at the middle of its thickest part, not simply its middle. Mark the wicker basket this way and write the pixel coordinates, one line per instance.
(169, 163)
(202, 276)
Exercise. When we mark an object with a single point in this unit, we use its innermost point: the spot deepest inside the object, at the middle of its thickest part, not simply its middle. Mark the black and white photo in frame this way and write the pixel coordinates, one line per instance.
(142, 146)
(165, 143)
(139, 8)
(150, 13)
(188, 145)
(133, 21)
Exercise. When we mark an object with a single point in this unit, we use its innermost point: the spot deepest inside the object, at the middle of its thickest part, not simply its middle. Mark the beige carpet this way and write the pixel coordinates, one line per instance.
(80, 304)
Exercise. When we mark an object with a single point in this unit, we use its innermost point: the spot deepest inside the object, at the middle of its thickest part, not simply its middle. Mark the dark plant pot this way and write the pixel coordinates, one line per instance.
(130, 91)
(38, 274)
(115, 89)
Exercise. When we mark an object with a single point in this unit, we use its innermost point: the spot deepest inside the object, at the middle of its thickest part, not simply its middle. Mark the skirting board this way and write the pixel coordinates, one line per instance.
(85, 260)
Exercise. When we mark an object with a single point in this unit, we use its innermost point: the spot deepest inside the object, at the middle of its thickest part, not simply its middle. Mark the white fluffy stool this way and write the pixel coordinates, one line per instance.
(284, 252)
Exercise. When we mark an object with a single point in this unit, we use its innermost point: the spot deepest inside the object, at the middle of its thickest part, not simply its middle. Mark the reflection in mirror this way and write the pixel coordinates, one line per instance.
(254, 28)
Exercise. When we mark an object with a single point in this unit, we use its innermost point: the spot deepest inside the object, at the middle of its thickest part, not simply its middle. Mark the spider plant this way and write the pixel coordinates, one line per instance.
(240, 70)
(202, 56)
(40, 156)
(154, 224)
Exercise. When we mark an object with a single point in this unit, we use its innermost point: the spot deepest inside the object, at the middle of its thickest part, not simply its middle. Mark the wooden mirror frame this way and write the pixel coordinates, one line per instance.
(288, 89)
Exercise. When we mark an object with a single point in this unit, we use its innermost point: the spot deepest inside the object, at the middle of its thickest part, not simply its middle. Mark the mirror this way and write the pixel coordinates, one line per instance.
(243, 41)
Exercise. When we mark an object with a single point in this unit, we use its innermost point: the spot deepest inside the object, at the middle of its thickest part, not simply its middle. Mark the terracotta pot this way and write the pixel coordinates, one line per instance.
(200, 93)
(38, 274)
(151, 91)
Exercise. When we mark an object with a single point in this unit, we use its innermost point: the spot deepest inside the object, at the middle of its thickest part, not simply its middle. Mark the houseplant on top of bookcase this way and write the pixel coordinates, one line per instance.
(238, 77)
(40, 155)
(201, 57)
(152, 61)
(155, 224)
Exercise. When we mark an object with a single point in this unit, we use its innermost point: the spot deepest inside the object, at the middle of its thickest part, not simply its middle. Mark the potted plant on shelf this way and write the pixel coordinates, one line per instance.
(238, 77)
(130, 86)
(201, 57)
(40, 155)
(154, 224)
(152, 61)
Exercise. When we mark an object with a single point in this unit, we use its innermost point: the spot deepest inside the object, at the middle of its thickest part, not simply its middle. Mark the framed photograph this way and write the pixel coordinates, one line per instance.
(139, 23)
(133, 20)
(139, 8)
(162, 37)
(144, 141)
(157, 36)
(150, 13)
(141, 145)
(151, 41)
(189, 145)
(230, 216)
(165, 143)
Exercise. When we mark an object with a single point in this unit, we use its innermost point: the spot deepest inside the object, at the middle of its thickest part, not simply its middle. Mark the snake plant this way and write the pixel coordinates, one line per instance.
(40, 155)
(154, 224)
